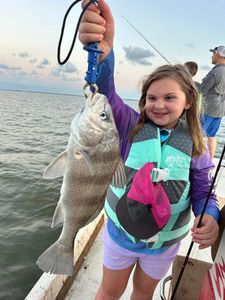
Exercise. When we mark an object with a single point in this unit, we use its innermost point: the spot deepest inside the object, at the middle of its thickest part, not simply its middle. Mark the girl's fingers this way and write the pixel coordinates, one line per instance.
(87, 38)
(207, 234)
(203, 243)
(92, 18)
(86, 28)
(91, 28)
(92, 7)
(91, 33)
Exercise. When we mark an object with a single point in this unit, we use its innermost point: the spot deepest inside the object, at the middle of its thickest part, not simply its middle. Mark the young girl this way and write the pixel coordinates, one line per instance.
(167, 169)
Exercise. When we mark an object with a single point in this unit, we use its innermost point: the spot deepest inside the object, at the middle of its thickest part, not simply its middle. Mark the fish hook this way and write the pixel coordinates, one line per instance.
(93, 87)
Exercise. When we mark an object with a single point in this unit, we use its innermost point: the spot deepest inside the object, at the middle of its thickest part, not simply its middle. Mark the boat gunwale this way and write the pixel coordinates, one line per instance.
(51, 286)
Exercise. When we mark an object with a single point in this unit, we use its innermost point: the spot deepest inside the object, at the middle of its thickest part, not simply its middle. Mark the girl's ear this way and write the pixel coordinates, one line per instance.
(187, 105)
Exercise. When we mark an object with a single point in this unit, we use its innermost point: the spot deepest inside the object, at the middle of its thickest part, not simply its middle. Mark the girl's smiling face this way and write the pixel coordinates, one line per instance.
(165, 102)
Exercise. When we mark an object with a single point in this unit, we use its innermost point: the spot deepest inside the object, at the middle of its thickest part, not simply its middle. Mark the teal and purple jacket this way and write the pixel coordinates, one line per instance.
(126, 118)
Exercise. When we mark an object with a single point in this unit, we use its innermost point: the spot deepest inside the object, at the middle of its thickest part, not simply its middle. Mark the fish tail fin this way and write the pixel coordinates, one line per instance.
(57, 259)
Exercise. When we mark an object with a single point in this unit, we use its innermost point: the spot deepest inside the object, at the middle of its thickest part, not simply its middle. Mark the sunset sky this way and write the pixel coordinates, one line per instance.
(30, 31)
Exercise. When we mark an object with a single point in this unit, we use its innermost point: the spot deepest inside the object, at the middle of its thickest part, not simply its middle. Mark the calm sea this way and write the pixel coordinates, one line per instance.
(34, 129)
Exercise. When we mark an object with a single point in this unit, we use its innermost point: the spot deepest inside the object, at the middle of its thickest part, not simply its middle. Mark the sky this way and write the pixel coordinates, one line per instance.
(30, 31)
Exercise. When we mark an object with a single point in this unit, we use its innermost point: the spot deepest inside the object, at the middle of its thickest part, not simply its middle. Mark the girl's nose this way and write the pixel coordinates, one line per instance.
(159, 104)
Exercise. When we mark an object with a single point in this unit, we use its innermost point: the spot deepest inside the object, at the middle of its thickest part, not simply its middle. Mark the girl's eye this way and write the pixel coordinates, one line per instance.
(170, 98)
(150, 98)
(103, 115)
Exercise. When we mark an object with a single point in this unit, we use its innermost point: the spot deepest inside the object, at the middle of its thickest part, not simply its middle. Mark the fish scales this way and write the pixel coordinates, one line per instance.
(88, 165)
(93, 187)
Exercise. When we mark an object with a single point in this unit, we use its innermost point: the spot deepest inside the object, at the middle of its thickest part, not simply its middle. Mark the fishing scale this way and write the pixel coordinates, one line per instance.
(92, 49)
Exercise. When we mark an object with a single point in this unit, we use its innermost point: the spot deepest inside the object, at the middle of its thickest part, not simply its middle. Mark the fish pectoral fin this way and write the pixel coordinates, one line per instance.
(119, 179)
(57, 167)
(58, 215)
(87, 159)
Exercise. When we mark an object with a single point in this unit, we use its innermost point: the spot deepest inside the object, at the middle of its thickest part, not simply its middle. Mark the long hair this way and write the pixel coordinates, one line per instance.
(192, 115)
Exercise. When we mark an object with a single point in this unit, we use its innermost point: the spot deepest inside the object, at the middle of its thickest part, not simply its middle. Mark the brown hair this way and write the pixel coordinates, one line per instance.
(192, 67)
(192, 115)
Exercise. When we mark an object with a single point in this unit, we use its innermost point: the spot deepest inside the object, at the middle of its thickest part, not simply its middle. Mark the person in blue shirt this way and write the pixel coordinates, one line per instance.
(212, 89)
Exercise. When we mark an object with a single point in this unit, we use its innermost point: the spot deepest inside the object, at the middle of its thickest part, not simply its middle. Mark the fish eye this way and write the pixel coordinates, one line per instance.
(103, 115)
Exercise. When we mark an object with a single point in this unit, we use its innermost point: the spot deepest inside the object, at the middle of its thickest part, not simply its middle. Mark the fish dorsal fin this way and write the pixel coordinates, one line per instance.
(57, 167)
(87, 159)
(119, 179)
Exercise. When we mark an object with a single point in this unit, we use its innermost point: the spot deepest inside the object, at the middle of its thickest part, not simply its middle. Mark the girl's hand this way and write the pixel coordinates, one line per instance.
(97, 25)
(207, 234)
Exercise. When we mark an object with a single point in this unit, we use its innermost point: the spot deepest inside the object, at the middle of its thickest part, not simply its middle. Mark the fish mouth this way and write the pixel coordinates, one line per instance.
(94, 99)
(91, 101)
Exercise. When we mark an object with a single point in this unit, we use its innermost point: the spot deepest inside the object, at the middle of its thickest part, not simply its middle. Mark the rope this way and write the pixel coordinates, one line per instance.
(62, 62)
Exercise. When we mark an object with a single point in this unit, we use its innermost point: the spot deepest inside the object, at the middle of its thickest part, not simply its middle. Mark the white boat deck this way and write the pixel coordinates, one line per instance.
(88, 278)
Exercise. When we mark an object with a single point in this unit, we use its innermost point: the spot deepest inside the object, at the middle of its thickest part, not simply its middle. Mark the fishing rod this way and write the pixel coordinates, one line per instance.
(146, 40)
(199, 224)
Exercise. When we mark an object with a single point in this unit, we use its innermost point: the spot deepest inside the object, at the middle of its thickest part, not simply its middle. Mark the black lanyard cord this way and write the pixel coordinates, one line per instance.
(76, 31)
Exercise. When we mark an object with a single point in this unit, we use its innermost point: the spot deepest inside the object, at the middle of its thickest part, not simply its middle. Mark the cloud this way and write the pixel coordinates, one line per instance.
(189, 45)
(56, 72)
(33, 60)
(205, 68)
(34, 72)
(138, 55)
(68, 68)
(40, 66)
(24, 54)
(4, 66)
(9, 68)
(45, 62)
(23, 74)
(66, 78)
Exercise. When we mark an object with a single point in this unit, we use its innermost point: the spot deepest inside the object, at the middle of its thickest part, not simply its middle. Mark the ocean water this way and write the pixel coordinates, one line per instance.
(34, 128)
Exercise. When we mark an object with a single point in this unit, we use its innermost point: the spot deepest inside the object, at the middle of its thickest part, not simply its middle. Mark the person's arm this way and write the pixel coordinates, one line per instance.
(105, 82)
(201, 180)
(207, 83)
(125, 117)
